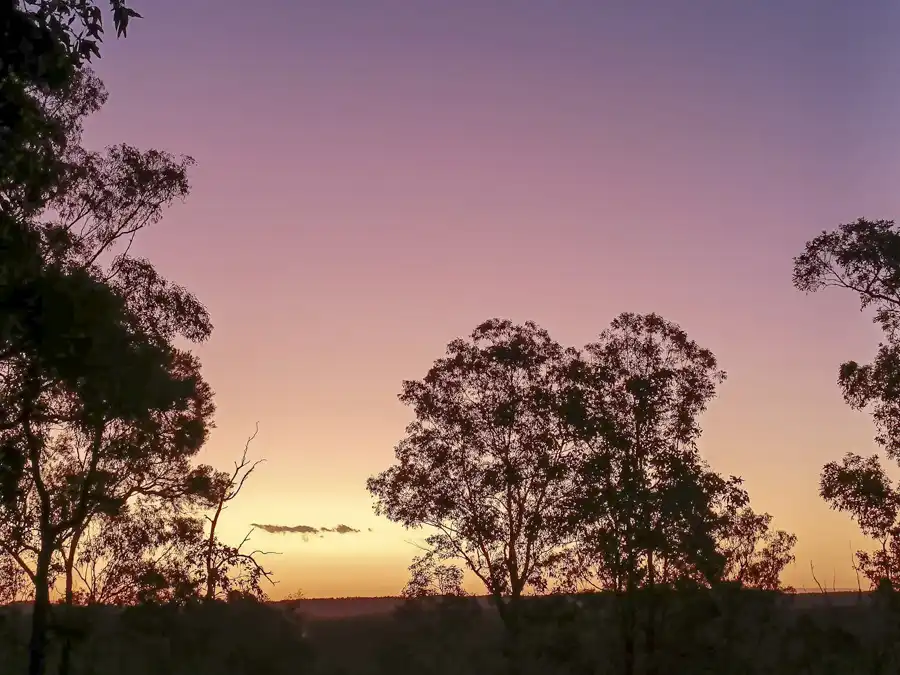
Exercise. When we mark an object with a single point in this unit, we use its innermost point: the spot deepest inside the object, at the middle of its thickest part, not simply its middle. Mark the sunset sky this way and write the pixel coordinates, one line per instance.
(373, 179)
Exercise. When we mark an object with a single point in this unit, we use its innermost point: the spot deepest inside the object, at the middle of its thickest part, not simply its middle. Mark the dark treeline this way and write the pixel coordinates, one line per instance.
(567, 480)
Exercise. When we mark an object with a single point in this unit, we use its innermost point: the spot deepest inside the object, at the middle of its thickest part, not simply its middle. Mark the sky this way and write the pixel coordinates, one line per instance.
(374, 179)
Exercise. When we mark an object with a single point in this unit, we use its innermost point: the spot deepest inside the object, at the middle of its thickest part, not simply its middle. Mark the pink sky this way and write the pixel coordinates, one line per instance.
(373, 182)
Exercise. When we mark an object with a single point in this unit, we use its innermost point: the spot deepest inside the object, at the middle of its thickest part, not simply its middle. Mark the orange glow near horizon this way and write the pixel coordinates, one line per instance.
(367, 190)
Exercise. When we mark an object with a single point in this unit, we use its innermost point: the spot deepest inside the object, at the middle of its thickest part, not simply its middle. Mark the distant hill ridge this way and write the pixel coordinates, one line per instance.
(338, 608)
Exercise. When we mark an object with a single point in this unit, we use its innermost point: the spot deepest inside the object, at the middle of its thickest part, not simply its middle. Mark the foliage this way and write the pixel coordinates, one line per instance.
(77, 24)
(860, 486)
(754, 554)
(15, 586)
(428, 578)
(139, 555)
(864, 257)
(44, 45)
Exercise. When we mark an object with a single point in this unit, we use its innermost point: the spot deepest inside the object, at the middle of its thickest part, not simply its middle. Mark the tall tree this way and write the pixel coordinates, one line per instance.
(485, 465)
(645, 385)
(644, 501)
(89, 373)
(104, 199)
(85, 352)
(864, 257)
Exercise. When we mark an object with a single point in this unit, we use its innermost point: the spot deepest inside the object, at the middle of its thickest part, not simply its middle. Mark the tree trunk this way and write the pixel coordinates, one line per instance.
(650, 634)
(40, 614)
(629, 616)
(65, 660)
(512, 648)
(210, 582)
(212, 569)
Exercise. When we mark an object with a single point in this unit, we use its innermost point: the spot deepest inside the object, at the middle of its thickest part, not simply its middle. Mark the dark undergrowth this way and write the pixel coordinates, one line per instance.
(694, 633)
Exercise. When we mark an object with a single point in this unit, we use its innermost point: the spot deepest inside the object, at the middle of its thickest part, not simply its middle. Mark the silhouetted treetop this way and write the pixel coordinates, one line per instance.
(862, 256)
(651, 370)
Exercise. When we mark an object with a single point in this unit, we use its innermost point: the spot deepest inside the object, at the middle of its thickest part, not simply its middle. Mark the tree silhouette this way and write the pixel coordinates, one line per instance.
(864, 257)
(486, 463)
(98, 405)
(755, 555)
(229, 569)
(114, 443)
(429, 578)
(643, 503)
(535, 464)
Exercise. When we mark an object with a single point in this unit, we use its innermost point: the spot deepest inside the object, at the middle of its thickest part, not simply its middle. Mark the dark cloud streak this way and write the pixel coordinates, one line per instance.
(305, 530)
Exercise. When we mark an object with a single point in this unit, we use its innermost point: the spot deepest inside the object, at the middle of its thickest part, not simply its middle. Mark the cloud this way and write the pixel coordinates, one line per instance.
(305, 530)
(340, 529)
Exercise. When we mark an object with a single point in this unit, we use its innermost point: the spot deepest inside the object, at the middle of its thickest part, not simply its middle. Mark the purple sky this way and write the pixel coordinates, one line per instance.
(375, 178)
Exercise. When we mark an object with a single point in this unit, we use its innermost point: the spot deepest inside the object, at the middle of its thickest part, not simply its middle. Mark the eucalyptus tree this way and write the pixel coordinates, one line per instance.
(646, 511)
(486, 464)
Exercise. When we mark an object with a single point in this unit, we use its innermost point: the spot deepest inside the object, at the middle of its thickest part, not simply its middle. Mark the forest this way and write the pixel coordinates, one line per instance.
(566, 479)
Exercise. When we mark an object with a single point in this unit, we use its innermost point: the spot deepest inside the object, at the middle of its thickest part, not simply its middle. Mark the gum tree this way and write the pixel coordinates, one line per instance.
(485, 465)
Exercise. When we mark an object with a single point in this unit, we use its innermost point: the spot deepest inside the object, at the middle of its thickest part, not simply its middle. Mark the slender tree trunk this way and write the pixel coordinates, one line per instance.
(210, 577)
(65, 661)
(512, 622)
(40, 614)
(629, 623)
(212, 569)
(650, 633)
